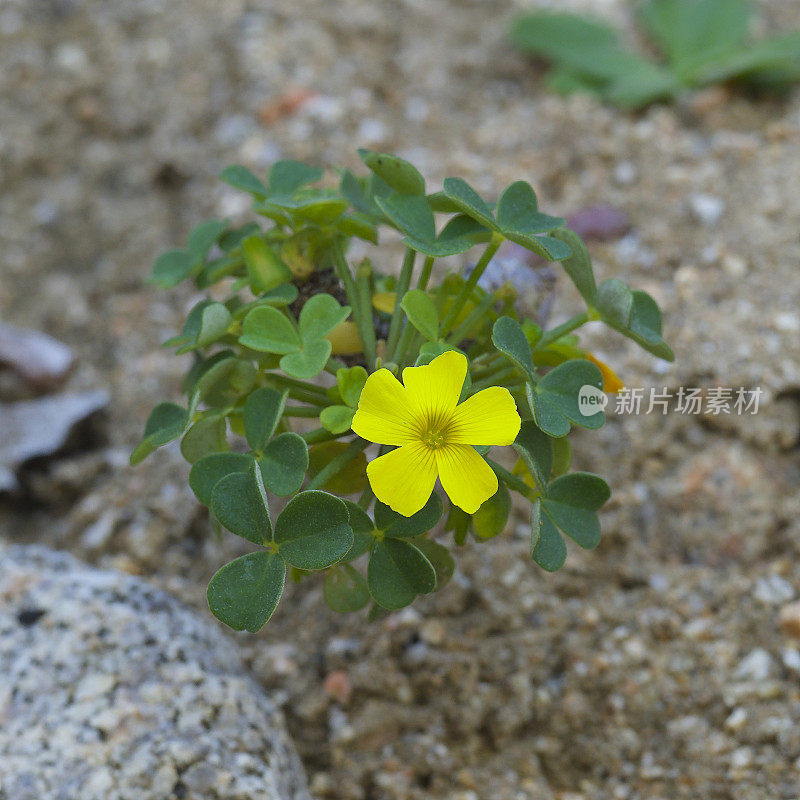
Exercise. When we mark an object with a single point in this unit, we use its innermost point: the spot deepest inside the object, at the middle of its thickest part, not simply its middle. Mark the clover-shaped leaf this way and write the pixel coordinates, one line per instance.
(411, 214)
(205, 436)
(509, 337)
(208, 471)
(345, 589)
(286, 177)
(363, 531)
(555, 400)
(320, 315)
(284, 463)
(536, 449)
(350, 383)
(440, 558)
(403, 177)
(337, 419)
(309, 361)
(570, 504)
(262, 412)
(396, 526)
(421, 312)
(398, 571)
(241, 178)
(518, 211)
(203, 237)
(239, 502)
(469, 202)
(266, 271)
(167, 421)
(267, 329)
(313, 530)
(634, 314)
(579, 265)
(207, 322)
(350, 479)
(171, 268)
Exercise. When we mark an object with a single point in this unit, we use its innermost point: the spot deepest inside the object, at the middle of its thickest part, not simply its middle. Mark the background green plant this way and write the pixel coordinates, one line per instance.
(699, 43)
(269, 403)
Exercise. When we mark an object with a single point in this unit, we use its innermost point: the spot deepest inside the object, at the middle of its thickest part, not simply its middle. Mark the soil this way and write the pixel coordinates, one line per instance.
(664, 664)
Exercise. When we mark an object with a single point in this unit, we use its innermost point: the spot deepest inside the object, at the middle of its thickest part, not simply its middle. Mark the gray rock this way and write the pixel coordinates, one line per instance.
(113, 690)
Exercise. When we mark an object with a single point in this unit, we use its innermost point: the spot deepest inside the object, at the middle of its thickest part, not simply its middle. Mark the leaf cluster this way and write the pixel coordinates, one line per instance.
(699, 43)
(282, 344)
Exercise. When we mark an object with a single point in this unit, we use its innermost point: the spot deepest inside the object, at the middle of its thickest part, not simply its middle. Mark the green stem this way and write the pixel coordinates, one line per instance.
(494, 379)
(293, 383)
(301, 411)
(562, 330)
(403, 282)
(517, 484)
(366, 497)
(338, 463)
(425, 275)
(471, 283)
(344, 274)
(406, 338)
(464, 329)
(334, 365)
(318, 435)
(366, 328)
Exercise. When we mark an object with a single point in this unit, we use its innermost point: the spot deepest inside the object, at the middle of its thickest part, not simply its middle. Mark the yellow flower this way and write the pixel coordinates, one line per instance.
(433, 433)
(611, 383)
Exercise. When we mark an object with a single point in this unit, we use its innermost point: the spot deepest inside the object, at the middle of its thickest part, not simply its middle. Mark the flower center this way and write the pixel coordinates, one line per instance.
(433, 438)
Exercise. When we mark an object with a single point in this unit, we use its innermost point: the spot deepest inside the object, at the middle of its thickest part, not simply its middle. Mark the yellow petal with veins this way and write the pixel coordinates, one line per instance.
(468, 480)
(434, 389)
(488, 417)
(404, 478)
(383, 414)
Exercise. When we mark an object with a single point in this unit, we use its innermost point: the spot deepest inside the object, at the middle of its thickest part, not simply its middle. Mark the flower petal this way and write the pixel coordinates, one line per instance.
(468, 480)
(384, 414)
(404, 478)
(434, 389)
(488, 417)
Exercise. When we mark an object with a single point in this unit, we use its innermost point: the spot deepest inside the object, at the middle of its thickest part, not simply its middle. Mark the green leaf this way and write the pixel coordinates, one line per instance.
(345, 590)
(411, 214)
(350, 382)
(211, 469)
(284, 463)
(572, 502)
(269, 330)
(204, 437)
(358, 225)
(459, 522)
(510, 339)
(547, 546)
(286, 177)
(536, 449)
(166, 422)
(555, 399)
(262, 413)
(313, 531)
(518, 210)
(233, 237)
(491, 518)
(337, 419)
(398, 572)
(309, 361)
(320, 315)
(440, 558)
(562, 456)
(171, 268)
(241, 178)
(363, 530)
(354, 189)
(421, 312)
(469, 202)
(239, 502)
(225, 380)
(396, 526)
(559, 36)
(545, 246)
(579, 265)
(403, 177)
(265, 269)
(244, 593)
(203, 237)
(215, 320)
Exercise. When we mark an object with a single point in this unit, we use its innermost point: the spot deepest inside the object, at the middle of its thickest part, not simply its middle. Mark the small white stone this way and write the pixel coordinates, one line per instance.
(737, 719)
(372, 130)
(707, 208)
(773, 590)
(756, 666)
(787, 322)
(791, 660)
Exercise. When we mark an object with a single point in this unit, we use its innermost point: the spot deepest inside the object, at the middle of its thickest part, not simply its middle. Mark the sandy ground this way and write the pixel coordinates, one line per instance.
(656, 666)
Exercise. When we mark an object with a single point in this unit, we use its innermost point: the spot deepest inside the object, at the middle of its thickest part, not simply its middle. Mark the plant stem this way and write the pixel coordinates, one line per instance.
(301, 411)
(517, 484)
(334, 365)
(344, 274)
(293, 383)
(366, 497)
(463, 330)
(319, 435)
(425, 275)
(366, 328)
(338, 463)
(406, 338)
(493, 379)
(562, 330)
(403, 282)
(471, 283)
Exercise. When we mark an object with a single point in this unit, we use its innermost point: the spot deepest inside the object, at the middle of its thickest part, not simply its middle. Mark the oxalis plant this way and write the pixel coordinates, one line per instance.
(699, 43)
(344, 395)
